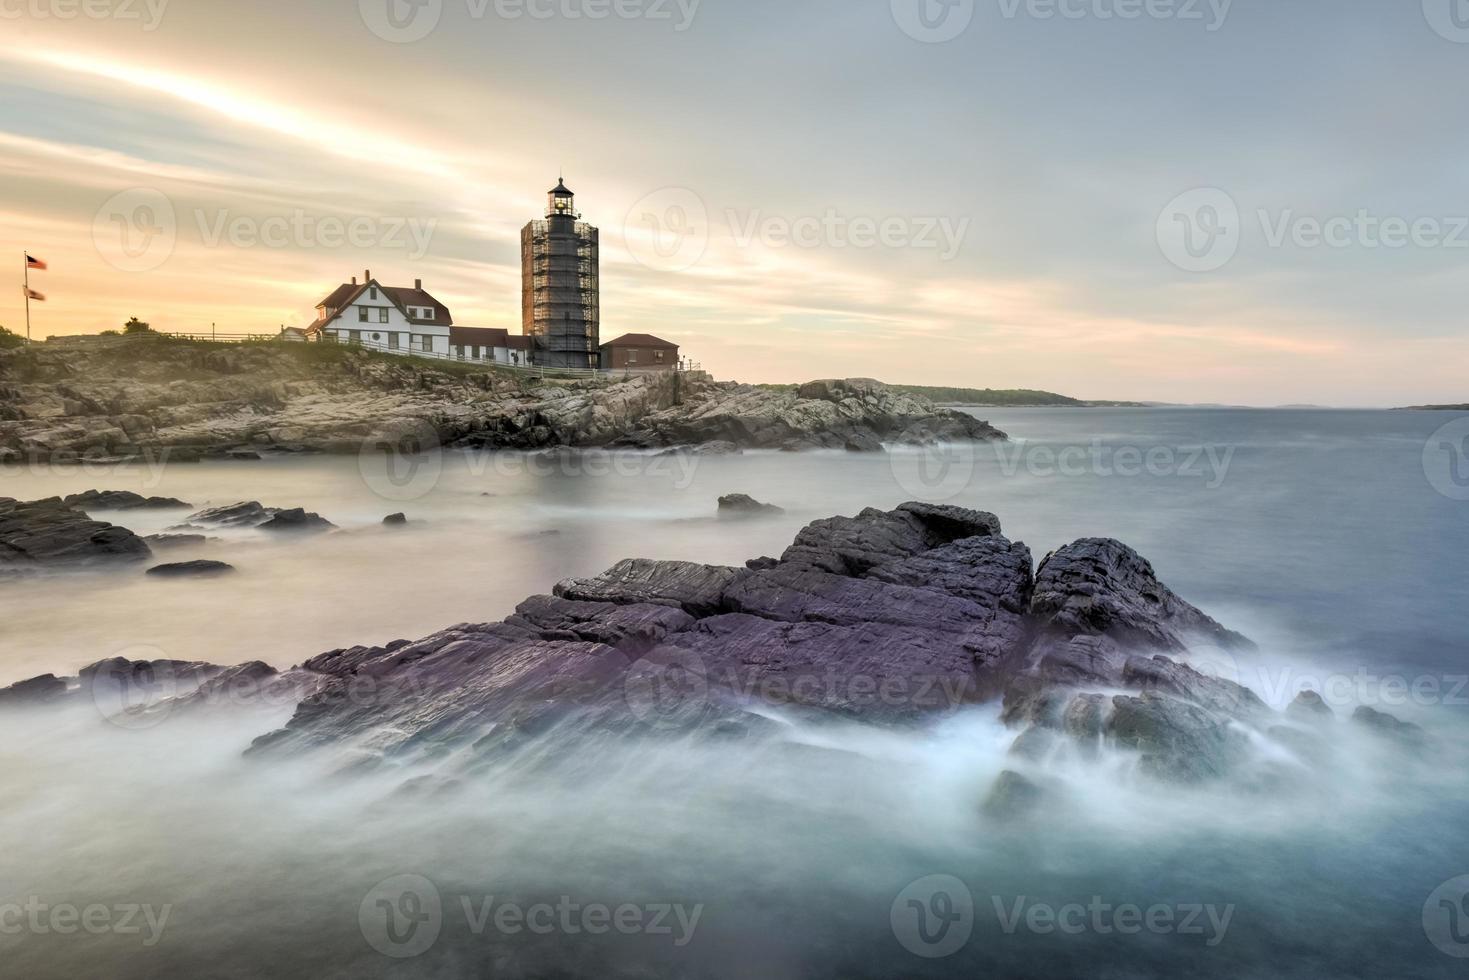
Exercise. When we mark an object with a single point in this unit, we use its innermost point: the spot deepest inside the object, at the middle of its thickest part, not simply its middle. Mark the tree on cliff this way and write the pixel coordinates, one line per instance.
(8, 339)
(135, 326)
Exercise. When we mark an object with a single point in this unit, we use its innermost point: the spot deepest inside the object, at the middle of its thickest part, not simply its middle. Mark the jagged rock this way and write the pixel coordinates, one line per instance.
(246, 514)
(191, 569)
(50, 533)
(854, 545)
(250, 513)
(1101, 586)
(397, 520)
(1308, 706)
(120, 500)
(743, 505)
(1381, 723)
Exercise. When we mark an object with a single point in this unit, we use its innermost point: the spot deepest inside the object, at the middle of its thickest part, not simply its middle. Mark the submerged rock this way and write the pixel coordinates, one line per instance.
(121, 500)
(744, 505)
(296, 519)
(251, 513)
(191, 569)
(1308, 706)
(174, 540)
(395, 520)
(1381, 723)
(1012, 797)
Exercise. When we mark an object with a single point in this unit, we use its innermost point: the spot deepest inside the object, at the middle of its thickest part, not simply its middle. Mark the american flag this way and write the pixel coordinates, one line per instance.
(34, 263)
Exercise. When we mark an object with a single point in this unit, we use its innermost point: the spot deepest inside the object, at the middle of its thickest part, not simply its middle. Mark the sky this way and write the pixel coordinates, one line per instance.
(1251, 202)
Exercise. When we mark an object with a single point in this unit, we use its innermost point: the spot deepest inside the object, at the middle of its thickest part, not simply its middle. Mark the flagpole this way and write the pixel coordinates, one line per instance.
(25, 260)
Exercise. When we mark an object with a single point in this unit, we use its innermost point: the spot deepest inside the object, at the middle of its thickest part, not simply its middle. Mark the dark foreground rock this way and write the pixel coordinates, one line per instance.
(395, 520)
(51, 533)
(191, 569)
(890, 617)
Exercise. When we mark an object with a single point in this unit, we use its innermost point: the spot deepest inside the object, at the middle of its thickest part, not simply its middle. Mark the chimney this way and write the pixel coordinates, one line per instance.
(366, 276)
(354, 280)
(418, 284)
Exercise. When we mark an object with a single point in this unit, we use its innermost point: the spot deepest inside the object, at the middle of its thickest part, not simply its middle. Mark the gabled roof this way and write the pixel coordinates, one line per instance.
(521, 342)
(400, 296)
(640, 340)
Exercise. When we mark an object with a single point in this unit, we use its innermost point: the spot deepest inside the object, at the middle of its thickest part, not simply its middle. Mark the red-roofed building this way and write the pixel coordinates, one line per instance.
(639, 352)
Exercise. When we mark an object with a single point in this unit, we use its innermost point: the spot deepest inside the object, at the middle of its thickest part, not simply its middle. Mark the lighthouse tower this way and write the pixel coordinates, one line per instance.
(560, 306)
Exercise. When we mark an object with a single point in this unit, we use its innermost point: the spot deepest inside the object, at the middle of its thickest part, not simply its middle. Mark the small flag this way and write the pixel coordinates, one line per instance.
(32, 294)
(34, 263)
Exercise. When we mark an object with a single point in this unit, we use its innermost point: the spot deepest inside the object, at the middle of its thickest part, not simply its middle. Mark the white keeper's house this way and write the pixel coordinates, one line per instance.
(403, 320)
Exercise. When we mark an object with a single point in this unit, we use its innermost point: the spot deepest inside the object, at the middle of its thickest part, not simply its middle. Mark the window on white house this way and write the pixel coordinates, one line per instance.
(372, 293)
(382, 314)
(361, 314)
(427, 313)
(392, 341)
(355, 336)
(428, 343)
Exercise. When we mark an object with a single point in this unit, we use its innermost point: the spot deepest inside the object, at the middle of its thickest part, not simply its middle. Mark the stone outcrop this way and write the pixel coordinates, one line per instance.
(121, 500)
(251, 513)
(109, 398)
(51, 533)
(889, 617)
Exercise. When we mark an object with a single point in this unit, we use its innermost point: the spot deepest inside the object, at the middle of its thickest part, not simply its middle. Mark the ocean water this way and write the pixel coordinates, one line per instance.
(1335, 539)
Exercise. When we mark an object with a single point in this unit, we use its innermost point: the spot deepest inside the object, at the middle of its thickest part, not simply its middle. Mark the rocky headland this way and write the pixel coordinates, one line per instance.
(179, 400)
(891, 618)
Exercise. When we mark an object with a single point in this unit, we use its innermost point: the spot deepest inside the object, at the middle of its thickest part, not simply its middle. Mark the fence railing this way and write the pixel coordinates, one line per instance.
(534, 370)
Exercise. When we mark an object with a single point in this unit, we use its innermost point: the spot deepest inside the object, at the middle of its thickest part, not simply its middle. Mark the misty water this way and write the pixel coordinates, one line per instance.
(1325, 536)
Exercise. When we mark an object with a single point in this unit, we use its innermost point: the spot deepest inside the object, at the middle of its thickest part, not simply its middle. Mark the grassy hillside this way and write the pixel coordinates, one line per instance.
(1006, 397)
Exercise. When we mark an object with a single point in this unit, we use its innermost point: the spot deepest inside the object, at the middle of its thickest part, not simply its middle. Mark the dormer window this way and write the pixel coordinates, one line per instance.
(426, 313)
(372, 292)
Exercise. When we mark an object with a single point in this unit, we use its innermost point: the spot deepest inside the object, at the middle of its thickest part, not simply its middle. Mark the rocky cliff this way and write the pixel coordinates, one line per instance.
(890, 617)
(111, 397)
